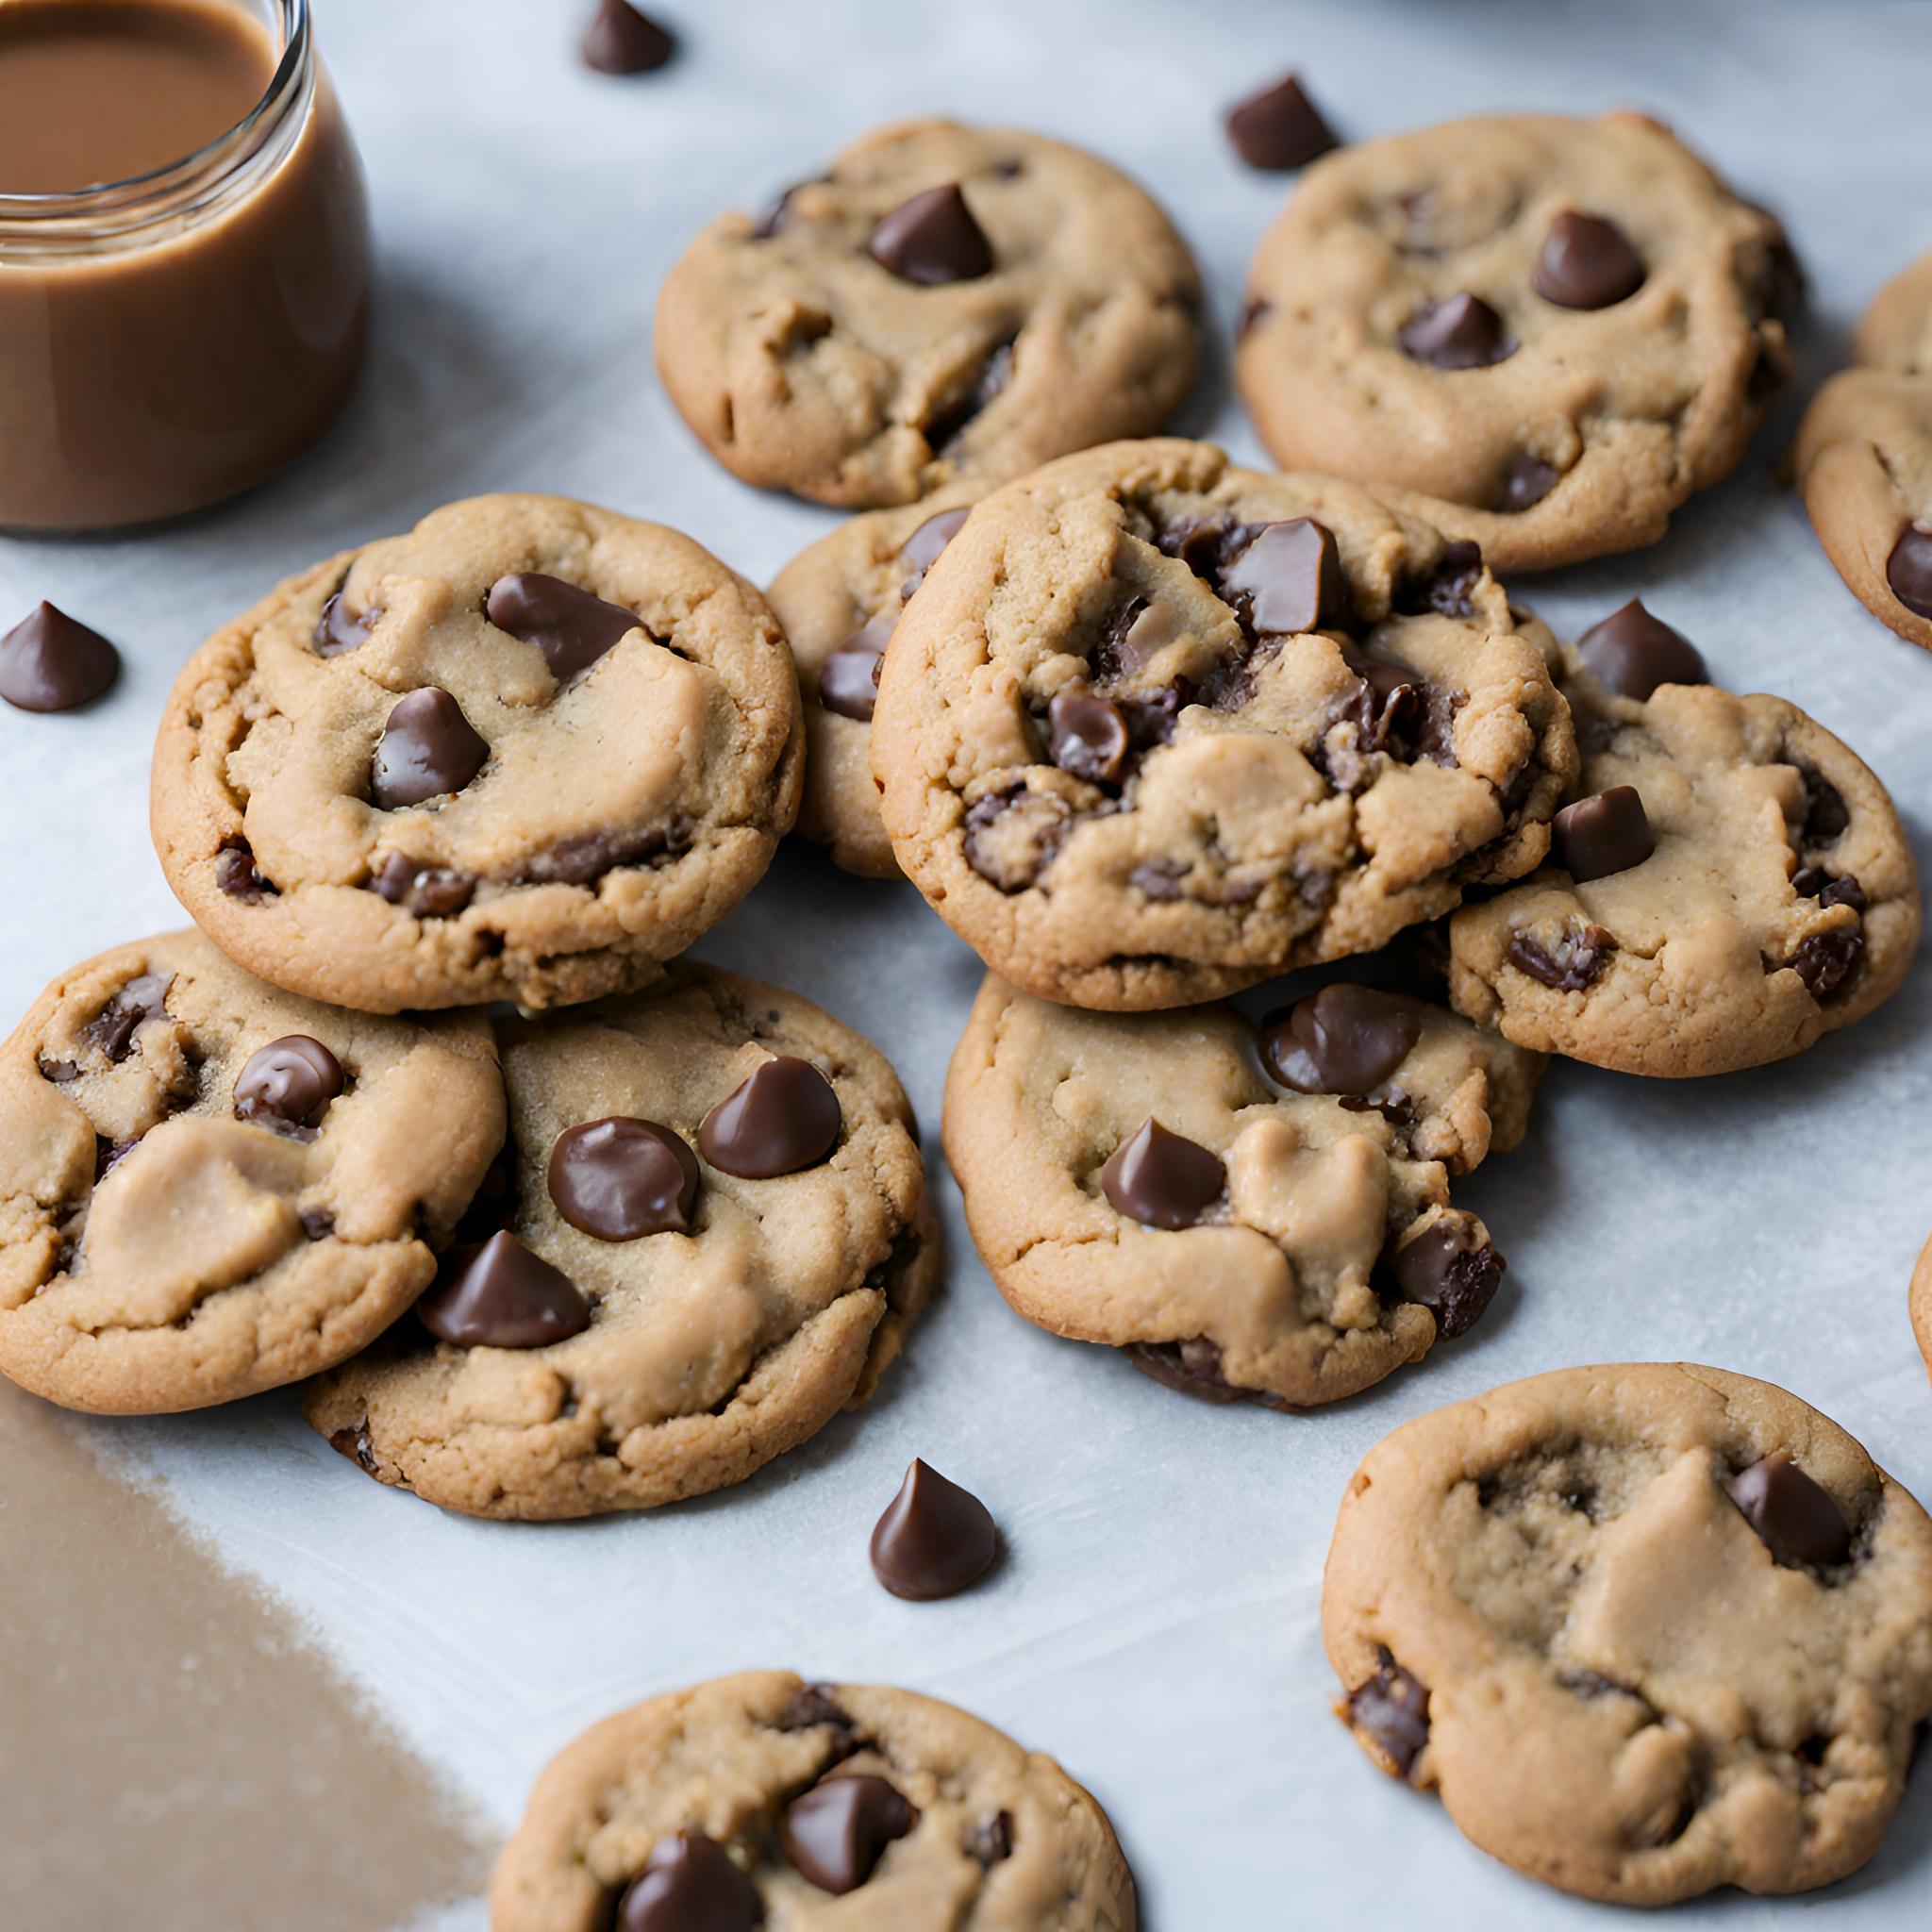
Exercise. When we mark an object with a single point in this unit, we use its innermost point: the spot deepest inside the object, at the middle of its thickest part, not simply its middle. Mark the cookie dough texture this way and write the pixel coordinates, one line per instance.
(156, 1252)
(1864, 451)
(1005, 1840)
(1627, 1696)
(621, 811)
(707, 1354)
(804, 364)
(1264, 816)
(1605, 418)
(1279, 1290)
(1738, 940)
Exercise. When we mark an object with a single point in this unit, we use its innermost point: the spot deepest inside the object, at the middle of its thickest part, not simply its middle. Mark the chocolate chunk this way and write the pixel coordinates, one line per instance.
(1463, 332)
(1825, 960)
(1086, 736)
(620, 40)
(1450, 587)
(836, 1833)
(236, 873)
(1826, 815)
(921, 550)
(586, 857)
(1288, 579)
(1908, 569)
(336, 631)
(290, 1081)
(690, 1884)
(1586, 262)
(1189, 1368)
(1398, 711)
(1162, 1179)
(112, 1029)
(1011, 836)
(425, 892)
(935, 1539)
(1525, 482)
(1814, 882)
(849, 678)
(1450, 1269)
(48, 662)
(1279, 129)
(1799, 1519)
(948, 423)
(428, 748)
(989, 1840)
(932, 239)
(568, 624)
(1631, 652)
(1605, 833)
(1391, 1710)
(621, 1178)
(1576, 959)
(785, 1117)
(501, 1296)
(1342, 1040)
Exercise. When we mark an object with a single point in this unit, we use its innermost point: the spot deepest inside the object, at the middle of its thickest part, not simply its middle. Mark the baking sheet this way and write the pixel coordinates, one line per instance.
(1154, 1623)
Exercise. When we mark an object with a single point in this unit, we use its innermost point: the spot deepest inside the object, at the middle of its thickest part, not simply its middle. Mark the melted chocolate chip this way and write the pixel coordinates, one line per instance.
(1391, 1710)
(1398, 711)
(935, 1539)
(1526, 481)
(1162, 1179)
(425, 892)
(1279, 129)
(1826, 815)
(947, 424)
(568, 624)
(849, 678)
(48, 662)
(1189, 1368)
(112, 1029)
(585, 856)
(1288, 579)
(1800, 1521)
(690, 1884)
(932, 239)
(921, 550)
(1451, 1270)
(1608, 832)
(621, 1178)
(290, 1081)
(620, 40)
(1586, 262)
(1463, 332)
(1342, 1040)
(501, 1296)
(1450, 588)
(336, 631)
(236, 873)
(1575, 960)
(59, 1072)
(785, 1117)
(1088, 737)
(1010, 837)
(989, 1840)
(428, 748)
(1908, 569)
(836, 1833)
(1631, 652)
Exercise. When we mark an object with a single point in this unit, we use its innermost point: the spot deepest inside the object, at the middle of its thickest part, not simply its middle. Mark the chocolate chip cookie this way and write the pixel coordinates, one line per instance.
(706, 1235)
(1155, 728)
(1864, 459)
(1729, 883)
(946, 303)
(1245, 1213)
(761, 1800)
(1648, 1630)
(527, 752)
(1554, 330)
(208, 1188)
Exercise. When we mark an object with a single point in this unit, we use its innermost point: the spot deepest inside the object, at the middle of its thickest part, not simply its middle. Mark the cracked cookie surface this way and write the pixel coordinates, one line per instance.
(1156, 1183)
(739, 1785)
(1552, 330)
(715, 1318)
(208, 1188)
(1647, 1629)
(527, 752)
(947, 302)
(1155, 728)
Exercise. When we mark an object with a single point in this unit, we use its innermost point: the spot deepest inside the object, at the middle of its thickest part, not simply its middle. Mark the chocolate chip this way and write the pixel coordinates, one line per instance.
(935, 1539)
(1391, 1710)
(989, 1840)
(1586, 262)
(318, 1223)
(1631, 652)
(1086, 736)
(112, 1029)
(849, 678)
(1525, 482)
(1814, 882)
(1162, 1179)
(1190, 1368)
(1279, 129)
(1342, 1040)
(1010, 837)
(836, 1833)
(1398, 711)
(1608, 832)
(290, 1080)
(1908, 569)
(586, 857)
(932, 239)
(1450, 587)
(1451, 1269)
(620, 40)
(1573, 960)
(236, 873)
(1800, 1522)
(690, 1884)
(336, 631)
(1463, 332)
(501, 1296)
(947, 423)
(567, 623)
(425, 892)
(59, 1072)
(1826, 815)
(1825, 960)
(621, 1178)
(1288, 579)
(428, 748)
(785, 1117)
(921, 550)
(48, 662)
(811, 1705)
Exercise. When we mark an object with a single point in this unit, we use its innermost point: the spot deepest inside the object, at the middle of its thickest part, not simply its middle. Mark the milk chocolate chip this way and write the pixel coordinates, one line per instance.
(1908, 569)
(1086, 736)
(1162, 1179)
(849, 678)
(1464, 332)
(290, 1080)
(568, 624)
(1342, 1040)
(1800, 1521)
(501, 1296)
(1631, 652)
(1391, 1710)
(621, 1178)
(1526, 481)
(48, 662)
(620, 40)
(921, 550)
(336, 631)
(423, 891)
(932, 239)
(1279, 129)
(836, 1833)
(1586, 262)
(690, 1884)
(1567, 961)
(1450, 1269)
(112, 1029)
(785, 1117)
(1289, 579)
(428, 748)
(935, 1539)
(1603, 834)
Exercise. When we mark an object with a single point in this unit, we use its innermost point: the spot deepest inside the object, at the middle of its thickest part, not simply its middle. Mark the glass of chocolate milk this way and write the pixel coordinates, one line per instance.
(184, 254)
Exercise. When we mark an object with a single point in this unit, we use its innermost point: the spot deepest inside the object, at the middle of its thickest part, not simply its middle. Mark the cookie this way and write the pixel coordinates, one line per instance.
(527, 753)
(761, 1800)
(1648, 1630)
(705, 1237)
(1922, 1303)
(838, 600)
(1155, 728)
(947, 302)
(1552, 330)
(1247, 1214)
(1730, 882)
(208, 1188)
(1864, 459)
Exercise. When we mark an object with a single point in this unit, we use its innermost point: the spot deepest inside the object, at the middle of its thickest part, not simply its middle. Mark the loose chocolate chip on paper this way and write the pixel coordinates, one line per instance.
(932, 239)
(620, 40)
(1631, 652)
(1162, 1179)
(1586, 262)
(428, 748)
(1605, 833)
(690, 1884)
(783, 1118)
(1462, 332)
(1344, 1039)
(570, 627)
(921, 550)
(290, 1080)
(336, 631)
(934, 1540)
(619, 1178)
(49, 662)
(112, 1029)
(1799, 1519)
(1450, 1269)
(836, 1833)
(1908, 570)
(1391, 1710)
(501, 1296)
(1288, 579)
(1279, 129)
(1086, 736)
(849, 678)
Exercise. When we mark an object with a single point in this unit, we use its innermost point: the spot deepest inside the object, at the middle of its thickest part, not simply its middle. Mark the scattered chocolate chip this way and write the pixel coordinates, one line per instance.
(1631, 652)
(785, 1117)
(1525, 482)
(425, 892)
(1570, 962)
(620, 40)
(1825, 960)
(989, 1840)
(48, 662)
(1010, 837)
(318, 1223)
(585, 856)
(1162, 1179)
(947, 424)
(290, 1080)
(1586, 262)
(849, 678)
(501, 1296)
(1190, 1368)
(1279, 129)
(1450, 1269)
(1462, 332)
(567, 623)
(1605, 833)
(236, 873)
(1908, 569)
(1288, 579)
(428, 748)
(621, 1178)
(1086, 736)
(690, 1884)
(1391, 1710)
(1344, 1039)
(836, 1833)
(336, 631)
(1826, 815)
(112, 1029)
(932, 239)
(1800, 1521)
(935, 1539)
(1450, 587)
(921, 550)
